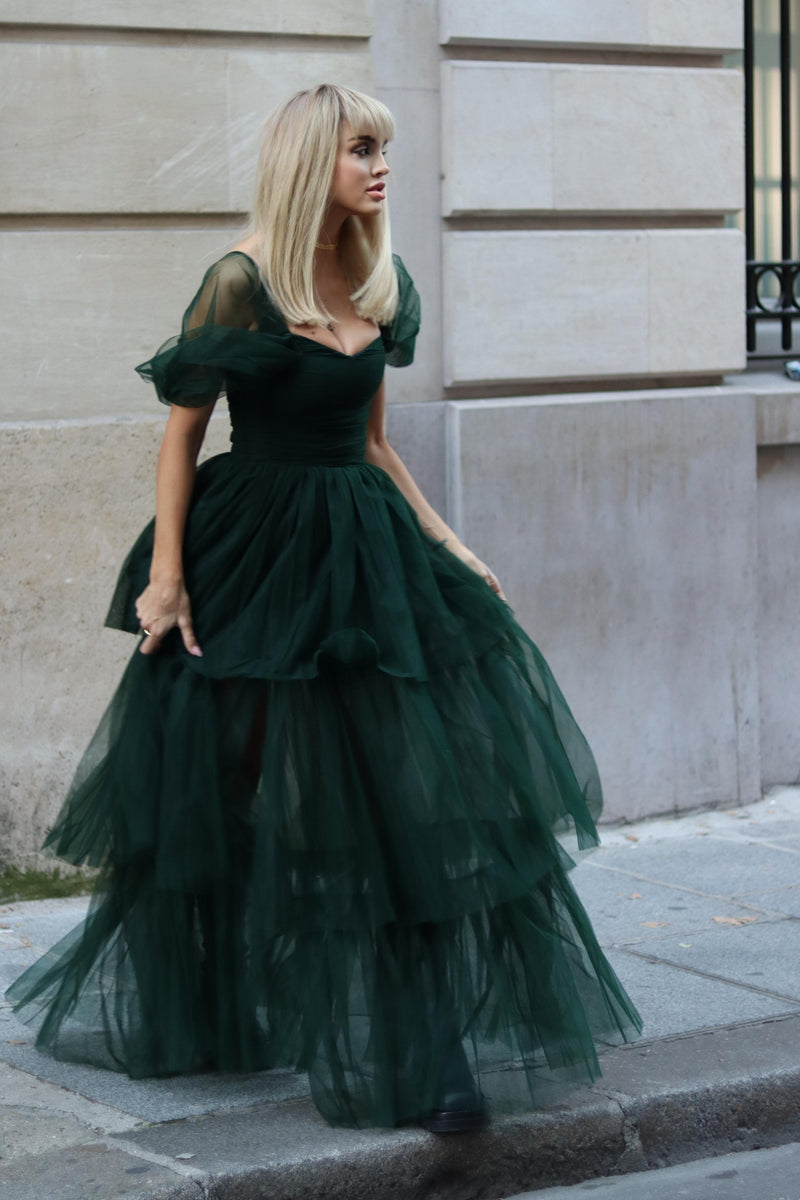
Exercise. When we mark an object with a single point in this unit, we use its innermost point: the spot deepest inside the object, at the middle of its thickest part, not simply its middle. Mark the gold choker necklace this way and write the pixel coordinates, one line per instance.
(327, 245)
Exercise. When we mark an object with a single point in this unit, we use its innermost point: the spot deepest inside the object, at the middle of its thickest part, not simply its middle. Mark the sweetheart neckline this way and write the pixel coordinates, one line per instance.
(303, 336)
(333, 349)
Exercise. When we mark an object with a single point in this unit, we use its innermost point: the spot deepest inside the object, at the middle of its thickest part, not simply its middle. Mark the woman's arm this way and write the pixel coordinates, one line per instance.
(165, 603)
(381, 454)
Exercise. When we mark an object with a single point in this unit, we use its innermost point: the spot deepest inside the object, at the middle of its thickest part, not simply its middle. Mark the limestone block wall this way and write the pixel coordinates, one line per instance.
(574, 137)
(562, 179)
(586, 182)
(618, 303)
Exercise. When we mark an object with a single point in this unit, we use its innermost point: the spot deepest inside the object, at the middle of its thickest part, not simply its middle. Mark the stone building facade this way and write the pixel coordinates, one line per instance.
(564, 177)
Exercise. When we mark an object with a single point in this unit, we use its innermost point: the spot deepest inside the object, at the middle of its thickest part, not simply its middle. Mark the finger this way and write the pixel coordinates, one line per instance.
(150, 643)
(189, 640)
(494, 584)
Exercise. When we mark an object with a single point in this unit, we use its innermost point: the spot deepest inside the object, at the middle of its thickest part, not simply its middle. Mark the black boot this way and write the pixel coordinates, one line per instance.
(459, 1106)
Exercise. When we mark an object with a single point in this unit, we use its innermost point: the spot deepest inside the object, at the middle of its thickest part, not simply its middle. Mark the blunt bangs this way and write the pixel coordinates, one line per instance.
(364, 114)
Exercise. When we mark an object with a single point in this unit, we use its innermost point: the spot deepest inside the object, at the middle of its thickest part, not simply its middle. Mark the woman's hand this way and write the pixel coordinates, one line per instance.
(160, 608)
(474, 563)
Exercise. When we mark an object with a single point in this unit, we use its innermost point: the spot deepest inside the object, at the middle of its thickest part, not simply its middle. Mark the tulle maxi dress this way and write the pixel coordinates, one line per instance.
(329, 843)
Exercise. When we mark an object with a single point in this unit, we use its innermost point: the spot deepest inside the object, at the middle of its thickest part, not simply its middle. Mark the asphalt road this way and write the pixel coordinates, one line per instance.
(754, 1175)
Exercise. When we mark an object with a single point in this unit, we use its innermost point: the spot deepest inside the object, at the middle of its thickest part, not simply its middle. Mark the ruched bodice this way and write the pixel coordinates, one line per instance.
(316, 413)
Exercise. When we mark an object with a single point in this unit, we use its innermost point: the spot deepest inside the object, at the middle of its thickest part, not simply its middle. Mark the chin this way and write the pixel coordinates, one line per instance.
(365, 210)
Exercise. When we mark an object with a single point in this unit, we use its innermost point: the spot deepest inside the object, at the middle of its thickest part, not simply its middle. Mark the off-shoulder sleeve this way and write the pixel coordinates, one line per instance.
(220, 333)
(400, 336)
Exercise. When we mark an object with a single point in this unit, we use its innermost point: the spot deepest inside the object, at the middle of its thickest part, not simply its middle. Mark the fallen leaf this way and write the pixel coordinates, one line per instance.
(735, 920)
(16, 1042)
(631, 837)
(653, 924)
(184, 1156)
(5, 926)
(633, 896)
(685, 945)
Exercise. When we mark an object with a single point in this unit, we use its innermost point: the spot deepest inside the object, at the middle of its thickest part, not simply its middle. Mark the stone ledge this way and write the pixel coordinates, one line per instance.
(345, 18)
(659, 1103)
(696, 25)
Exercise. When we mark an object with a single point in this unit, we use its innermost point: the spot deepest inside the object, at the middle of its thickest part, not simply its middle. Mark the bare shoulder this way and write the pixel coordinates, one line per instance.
(247, 245)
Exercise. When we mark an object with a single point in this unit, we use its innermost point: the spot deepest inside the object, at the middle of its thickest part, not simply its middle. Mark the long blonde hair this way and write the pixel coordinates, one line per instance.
(296, 167)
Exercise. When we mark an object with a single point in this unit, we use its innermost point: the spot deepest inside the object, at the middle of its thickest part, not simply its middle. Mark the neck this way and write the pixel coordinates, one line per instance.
(331, 227)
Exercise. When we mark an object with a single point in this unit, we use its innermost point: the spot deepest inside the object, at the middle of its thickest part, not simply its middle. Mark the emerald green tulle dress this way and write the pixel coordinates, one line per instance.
(329, 843)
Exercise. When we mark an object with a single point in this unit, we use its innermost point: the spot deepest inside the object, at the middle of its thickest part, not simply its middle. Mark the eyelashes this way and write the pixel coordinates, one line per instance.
(365, 151)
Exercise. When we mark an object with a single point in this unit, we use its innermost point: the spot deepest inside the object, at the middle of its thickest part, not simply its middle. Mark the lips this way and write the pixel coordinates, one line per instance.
(377, 190)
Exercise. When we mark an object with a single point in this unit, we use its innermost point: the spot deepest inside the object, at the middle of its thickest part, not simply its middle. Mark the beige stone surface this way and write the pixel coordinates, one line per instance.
(778, 626)
(586, 304)
(590, 138)
(83, 307)
(490, 162)
(699, 24)
(778, 412)
(413, 188)
(538, 305)
(539, 22)
(405, 59)
(131, 128)
(404, 46)
(630, 138)
(341, 18)
(623, 527)
(681, 24)
(73, 498)
(686, 267)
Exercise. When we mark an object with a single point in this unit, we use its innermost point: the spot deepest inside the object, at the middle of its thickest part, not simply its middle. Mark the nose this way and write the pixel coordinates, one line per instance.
(381, 166)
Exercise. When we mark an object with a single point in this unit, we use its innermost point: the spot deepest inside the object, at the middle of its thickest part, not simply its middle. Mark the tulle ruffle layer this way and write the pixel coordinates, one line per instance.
(350, 874)
(290, 565)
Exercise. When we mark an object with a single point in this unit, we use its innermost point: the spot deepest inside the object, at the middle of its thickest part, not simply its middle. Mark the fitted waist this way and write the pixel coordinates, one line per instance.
(311, 449)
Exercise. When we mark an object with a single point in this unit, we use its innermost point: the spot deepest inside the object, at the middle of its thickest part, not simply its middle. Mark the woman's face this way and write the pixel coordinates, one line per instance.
(358, 180)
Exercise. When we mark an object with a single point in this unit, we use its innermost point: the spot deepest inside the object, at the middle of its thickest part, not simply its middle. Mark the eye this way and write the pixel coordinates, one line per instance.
(362, 151)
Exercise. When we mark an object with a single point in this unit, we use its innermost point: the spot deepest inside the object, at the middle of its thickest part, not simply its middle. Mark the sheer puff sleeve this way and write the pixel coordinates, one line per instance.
(401, 334)
(223, 331)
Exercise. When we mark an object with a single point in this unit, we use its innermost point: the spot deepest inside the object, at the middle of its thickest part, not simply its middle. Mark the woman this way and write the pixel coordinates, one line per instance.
(323, 797)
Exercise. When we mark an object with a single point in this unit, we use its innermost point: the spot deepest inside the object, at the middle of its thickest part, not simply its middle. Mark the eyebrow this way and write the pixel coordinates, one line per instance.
(363, 137)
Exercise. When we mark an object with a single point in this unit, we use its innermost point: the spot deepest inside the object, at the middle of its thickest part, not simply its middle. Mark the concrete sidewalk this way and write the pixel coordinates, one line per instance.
(700, 918)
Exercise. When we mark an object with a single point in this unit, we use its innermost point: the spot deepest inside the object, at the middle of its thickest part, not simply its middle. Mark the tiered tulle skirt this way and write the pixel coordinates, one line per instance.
(330, 843)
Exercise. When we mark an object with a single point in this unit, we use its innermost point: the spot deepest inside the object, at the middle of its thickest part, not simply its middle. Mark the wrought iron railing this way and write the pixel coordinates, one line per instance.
(773, 287)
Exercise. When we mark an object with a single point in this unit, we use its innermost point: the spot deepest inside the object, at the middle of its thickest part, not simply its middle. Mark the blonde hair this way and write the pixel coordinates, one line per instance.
(296, 166)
